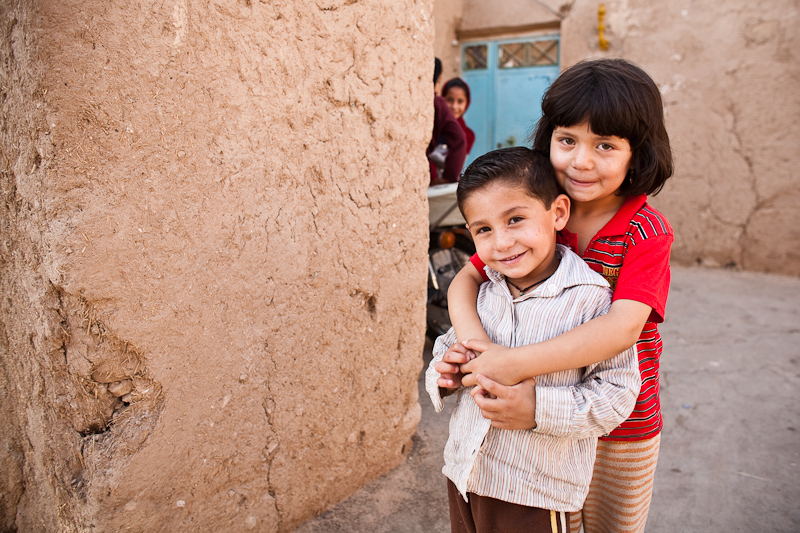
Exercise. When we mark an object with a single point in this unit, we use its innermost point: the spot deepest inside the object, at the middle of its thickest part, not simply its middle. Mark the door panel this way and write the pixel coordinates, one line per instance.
(518, 103)
(506, 100)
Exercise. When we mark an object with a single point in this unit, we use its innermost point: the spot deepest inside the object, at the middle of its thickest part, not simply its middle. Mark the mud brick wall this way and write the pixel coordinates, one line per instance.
(212, 261)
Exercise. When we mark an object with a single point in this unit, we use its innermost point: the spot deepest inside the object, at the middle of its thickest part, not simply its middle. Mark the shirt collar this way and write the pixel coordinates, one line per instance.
(622, 218)
(571, 271)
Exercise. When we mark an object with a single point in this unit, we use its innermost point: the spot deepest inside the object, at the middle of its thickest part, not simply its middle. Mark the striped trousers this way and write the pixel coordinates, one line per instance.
(621, 488)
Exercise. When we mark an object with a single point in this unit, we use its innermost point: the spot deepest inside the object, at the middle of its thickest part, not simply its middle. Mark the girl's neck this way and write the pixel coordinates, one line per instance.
(587, 218)
(605, 207)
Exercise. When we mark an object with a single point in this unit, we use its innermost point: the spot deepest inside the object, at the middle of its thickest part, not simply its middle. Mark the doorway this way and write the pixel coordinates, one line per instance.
(507, 79)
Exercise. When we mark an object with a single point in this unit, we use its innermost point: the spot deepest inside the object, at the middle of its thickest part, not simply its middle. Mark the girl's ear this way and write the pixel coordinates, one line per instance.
(560, 209)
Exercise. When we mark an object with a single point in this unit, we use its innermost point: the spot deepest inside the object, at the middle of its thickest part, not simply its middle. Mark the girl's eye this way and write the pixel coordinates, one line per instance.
(605, 147)
(567, 141)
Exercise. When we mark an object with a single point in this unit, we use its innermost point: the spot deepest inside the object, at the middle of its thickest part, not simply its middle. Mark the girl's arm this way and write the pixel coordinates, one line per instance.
(462, 304)
(596, 340)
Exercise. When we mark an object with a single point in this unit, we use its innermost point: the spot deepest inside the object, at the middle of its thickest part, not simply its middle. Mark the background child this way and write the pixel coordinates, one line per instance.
(603, 128)
(456, 92)
(517, 480)
(447, 132)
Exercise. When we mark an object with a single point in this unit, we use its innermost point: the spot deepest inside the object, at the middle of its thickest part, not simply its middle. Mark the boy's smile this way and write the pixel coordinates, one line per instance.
(514, 234)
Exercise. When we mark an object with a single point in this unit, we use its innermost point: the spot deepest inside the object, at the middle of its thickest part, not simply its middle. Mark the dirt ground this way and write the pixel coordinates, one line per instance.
(730, 448)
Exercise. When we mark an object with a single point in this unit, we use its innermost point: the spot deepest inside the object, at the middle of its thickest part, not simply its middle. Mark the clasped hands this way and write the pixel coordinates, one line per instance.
(503, 399)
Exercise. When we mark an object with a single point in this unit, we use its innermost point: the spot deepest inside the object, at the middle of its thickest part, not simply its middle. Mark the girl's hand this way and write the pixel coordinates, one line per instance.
(507, 407)
(449, 367)
(495, 361)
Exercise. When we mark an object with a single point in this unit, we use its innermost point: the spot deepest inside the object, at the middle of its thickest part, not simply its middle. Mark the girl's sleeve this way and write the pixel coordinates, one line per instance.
(645, 275)
(478, 264)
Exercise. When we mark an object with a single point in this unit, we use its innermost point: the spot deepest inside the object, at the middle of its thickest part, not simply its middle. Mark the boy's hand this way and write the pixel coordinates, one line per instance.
(494, 361)
(507, 407)
(450, 366)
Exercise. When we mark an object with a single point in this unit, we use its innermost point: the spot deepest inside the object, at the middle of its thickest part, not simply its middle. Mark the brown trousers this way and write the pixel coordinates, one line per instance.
(488, 515)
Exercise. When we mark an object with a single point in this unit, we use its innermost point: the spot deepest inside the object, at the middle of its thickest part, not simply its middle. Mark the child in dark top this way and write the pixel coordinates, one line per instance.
(447, 130)
(456, 92)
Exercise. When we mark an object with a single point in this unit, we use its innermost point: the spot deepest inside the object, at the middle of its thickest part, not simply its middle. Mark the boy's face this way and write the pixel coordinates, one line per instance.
(514, 234)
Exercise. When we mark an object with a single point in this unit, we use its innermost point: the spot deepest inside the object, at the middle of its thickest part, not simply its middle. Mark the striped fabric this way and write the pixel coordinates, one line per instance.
(550, 466)
(632, 253)
(619, 497)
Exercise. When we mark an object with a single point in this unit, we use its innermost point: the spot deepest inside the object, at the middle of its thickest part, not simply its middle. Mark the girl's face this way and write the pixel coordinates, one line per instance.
(589, 167)
(456, 101)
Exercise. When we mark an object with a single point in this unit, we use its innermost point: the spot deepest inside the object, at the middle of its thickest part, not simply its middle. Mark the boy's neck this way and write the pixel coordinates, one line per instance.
(521, 286)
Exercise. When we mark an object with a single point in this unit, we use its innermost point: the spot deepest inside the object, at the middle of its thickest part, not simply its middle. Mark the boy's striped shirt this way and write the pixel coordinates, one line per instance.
(550, 466)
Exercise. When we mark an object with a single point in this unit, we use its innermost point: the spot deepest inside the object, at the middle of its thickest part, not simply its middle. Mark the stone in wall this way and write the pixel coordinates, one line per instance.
(213, 246)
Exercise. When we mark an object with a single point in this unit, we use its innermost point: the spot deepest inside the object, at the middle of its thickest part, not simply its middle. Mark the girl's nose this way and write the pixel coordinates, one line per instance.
(582, 158)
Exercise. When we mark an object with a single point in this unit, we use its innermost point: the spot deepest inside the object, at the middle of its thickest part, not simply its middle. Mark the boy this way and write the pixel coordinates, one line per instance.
(528, 480)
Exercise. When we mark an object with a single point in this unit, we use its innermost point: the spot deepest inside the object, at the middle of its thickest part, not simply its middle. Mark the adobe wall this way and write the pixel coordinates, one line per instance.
(212, 258)
(447, 17)
(729, 73)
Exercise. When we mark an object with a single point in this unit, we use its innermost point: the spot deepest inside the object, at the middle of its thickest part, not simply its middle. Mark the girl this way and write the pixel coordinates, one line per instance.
(456, 92)
(603, 129)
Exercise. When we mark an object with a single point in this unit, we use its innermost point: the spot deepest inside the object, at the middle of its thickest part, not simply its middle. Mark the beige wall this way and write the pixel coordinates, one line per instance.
(729, 75)
(447, 17)
(221, 207)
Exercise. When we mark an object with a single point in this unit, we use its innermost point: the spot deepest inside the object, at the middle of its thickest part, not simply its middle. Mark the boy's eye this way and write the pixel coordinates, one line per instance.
(481, 230)
(515, 220)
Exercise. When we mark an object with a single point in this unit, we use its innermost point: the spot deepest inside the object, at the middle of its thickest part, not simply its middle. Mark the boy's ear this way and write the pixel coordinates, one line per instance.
(560, 209)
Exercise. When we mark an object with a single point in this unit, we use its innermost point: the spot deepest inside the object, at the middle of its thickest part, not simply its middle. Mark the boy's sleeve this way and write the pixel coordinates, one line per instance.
(603, 400)
(442, 344)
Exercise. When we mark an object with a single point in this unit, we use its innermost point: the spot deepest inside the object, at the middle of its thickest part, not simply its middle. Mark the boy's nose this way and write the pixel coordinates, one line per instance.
(504, 240)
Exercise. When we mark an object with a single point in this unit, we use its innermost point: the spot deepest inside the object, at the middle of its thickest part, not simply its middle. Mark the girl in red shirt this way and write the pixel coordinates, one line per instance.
(603, 128)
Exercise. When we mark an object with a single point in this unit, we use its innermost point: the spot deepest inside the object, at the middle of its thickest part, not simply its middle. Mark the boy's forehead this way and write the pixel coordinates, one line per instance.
(499, 198)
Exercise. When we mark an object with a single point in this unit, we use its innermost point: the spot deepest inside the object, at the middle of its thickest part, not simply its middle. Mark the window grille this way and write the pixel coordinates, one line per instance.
(475, 57)
(528, 54)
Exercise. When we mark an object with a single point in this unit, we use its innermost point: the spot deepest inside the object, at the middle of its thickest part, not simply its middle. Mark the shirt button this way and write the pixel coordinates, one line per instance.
(552, 288)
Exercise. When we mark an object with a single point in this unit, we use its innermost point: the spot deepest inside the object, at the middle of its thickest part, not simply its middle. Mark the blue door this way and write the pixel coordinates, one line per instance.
(507, 79)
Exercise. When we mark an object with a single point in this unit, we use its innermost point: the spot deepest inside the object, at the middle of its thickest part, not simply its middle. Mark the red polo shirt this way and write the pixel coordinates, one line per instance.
(632, 252)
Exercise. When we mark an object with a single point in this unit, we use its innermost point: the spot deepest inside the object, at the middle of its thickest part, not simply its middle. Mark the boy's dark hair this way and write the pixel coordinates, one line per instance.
(456, 82)
(437, 69)
(517, 166)
(616, 98)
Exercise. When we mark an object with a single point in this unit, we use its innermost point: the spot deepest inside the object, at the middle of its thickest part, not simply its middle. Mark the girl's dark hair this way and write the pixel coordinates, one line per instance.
(516, 166)
(616, 98)
(457, 82)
